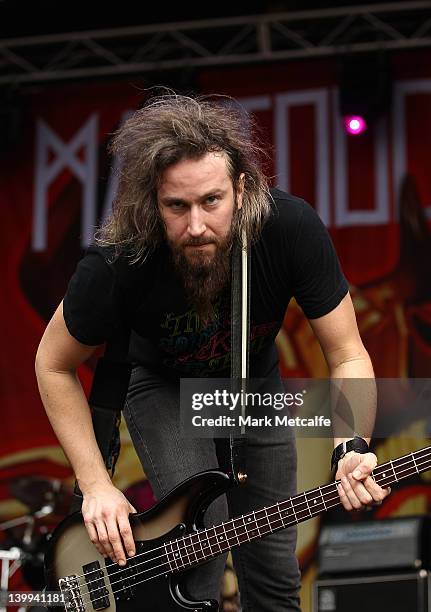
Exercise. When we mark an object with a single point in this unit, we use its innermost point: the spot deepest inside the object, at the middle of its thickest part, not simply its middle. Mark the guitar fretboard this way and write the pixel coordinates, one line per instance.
(208, 543)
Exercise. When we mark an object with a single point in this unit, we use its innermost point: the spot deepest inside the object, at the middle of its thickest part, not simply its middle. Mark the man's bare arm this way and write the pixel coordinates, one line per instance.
(351, 372)
(105, 509)
(353, 388)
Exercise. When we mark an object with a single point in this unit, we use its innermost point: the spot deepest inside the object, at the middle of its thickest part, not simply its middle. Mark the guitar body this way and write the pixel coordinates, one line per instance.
(71, 553)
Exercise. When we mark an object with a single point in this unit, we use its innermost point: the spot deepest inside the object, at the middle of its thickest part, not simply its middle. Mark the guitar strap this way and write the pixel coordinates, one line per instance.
(107, 398)
(240, 333)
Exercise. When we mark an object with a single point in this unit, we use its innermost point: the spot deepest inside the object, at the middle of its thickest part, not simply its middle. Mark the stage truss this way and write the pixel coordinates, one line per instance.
(216, 42)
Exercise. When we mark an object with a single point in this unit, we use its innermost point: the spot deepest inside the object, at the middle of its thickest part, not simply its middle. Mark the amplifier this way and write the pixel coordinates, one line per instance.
(387, 544)
(404, 592)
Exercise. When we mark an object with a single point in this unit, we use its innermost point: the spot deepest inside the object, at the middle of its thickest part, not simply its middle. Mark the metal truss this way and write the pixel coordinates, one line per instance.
(216, 42)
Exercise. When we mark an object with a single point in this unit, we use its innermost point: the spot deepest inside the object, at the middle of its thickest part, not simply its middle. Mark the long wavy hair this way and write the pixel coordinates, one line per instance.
(168, 129)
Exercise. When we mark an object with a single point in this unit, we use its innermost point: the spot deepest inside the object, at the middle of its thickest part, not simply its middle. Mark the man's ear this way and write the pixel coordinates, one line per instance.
(240, 189)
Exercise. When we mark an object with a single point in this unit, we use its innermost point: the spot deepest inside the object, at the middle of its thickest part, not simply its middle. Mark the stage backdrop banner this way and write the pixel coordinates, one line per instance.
(372, 191)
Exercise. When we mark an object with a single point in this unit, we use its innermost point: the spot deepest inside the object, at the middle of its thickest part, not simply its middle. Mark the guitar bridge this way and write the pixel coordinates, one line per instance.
(69, 587)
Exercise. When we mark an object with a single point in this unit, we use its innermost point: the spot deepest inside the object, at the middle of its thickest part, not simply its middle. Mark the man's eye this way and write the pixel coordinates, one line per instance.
(212, 199)
(176, 205)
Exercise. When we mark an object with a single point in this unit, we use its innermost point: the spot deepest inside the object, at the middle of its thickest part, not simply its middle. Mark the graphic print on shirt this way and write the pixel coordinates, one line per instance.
(198, 350)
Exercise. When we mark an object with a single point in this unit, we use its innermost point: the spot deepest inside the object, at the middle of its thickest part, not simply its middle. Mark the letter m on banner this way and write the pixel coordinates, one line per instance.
(46, 170)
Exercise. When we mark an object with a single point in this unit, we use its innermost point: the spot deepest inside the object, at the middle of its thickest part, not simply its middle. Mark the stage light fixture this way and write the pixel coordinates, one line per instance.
(365, 90)
(354, 124)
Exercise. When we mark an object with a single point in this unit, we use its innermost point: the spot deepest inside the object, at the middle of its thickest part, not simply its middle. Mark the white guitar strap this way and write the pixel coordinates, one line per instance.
(240, 333)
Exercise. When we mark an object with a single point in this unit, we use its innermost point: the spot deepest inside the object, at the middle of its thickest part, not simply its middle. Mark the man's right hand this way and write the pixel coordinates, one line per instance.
(106, 516)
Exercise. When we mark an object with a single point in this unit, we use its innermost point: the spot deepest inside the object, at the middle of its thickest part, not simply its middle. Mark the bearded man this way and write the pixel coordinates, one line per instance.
(190, 184)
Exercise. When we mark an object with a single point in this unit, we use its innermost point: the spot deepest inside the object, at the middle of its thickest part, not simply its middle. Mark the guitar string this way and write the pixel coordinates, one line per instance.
(380, 469)
(331, 485)
(337, 503)
(182, 540)
(182, 549)
(183, 545)
(327, 506)
(197, 561)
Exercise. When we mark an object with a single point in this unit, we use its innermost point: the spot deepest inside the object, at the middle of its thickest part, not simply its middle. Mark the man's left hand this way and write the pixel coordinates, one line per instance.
(358, 489)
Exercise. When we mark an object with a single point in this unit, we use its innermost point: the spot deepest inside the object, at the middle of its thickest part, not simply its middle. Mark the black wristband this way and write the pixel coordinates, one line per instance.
(359, 445)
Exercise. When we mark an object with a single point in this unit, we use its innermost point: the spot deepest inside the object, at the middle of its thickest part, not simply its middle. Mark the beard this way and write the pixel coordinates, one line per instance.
(203, 275)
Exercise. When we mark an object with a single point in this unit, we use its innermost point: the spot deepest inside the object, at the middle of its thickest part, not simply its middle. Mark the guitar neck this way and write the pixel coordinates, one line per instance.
(199, 547)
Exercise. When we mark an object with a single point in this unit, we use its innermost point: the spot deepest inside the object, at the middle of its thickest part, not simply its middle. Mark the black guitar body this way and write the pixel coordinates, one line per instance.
(151, 580)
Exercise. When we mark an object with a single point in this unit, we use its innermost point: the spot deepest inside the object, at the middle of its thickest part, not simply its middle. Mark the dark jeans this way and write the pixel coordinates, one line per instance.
(267, 569)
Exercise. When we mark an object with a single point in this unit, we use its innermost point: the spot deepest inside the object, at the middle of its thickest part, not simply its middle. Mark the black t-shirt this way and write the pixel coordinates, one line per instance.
(294, 257)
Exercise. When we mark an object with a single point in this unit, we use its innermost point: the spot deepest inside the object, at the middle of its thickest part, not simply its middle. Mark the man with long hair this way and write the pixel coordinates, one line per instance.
(190, 185)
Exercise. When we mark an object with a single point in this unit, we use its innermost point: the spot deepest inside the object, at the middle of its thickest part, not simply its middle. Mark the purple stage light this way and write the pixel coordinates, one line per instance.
(354, 124)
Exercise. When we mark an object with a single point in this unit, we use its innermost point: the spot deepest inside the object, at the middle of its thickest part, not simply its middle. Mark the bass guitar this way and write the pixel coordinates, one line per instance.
(171, 538)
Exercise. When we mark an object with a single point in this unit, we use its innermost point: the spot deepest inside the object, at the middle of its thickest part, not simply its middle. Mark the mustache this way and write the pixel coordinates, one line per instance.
(198, 242)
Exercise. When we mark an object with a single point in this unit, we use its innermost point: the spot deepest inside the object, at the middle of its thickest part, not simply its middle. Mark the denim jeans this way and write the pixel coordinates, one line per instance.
(267, 569)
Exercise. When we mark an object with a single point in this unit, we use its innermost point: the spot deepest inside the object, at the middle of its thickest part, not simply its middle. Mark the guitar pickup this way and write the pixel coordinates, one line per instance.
(95, 581)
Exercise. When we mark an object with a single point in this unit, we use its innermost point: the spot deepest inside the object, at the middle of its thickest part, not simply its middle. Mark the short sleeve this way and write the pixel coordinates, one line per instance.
(319, 283)
(89, 306)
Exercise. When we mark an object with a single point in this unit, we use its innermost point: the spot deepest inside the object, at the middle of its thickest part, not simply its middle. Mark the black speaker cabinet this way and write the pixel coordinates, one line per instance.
(402, 592)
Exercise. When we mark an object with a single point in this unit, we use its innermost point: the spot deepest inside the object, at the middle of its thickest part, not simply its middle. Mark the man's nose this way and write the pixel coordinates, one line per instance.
(196, 226)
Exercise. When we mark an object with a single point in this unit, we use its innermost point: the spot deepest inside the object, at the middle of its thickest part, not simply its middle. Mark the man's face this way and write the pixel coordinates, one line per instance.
(196, 201)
